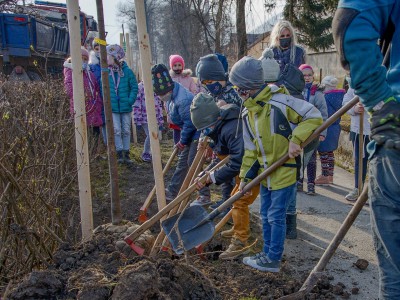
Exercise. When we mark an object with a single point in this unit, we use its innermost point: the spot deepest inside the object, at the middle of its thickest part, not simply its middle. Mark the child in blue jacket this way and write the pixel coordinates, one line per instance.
(123, 92)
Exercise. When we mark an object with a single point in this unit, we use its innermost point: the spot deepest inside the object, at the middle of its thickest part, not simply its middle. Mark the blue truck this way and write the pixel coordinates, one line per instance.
(37, 38)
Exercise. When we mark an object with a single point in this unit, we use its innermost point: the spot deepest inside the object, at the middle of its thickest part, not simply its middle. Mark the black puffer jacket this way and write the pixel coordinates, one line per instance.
(228, 142)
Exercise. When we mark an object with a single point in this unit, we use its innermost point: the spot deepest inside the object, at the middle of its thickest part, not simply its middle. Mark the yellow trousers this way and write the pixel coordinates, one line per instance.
(240, 212)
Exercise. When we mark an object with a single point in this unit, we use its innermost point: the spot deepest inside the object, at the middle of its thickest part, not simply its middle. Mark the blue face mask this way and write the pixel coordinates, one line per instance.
(207, 131)
(84, 66)
(214, 88)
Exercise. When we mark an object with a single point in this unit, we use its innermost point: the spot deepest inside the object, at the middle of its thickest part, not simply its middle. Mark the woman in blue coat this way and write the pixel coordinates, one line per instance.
(123, 92)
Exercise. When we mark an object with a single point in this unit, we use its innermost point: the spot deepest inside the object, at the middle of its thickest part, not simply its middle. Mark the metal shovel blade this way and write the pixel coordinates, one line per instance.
(190, 218)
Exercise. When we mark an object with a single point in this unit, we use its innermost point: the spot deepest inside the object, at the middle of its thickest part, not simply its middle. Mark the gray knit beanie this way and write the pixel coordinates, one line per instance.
(270, 66)
(209, 67)
(204, 112)
(247, 74)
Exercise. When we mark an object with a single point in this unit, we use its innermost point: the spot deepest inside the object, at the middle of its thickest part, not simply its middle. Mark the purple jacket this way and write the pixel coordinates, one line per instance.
(139, 108)
(93, 100)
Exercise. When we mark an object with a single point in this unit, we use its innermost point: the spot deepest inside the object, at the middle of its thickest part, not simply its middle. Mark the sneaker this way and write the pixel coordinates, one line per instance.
(323, 180)
(235, 249)
(227, 233)
(217, 204)
(146, 157)
(264, 264)
(299, 186)
(310, 189)
(253, 257)
(201, 200)
(353, 195)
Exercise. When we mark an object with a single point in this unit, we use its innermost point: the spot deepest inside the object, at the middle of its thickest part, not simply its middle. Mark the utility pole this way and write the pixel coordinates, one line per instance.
(81, 140)
(112, 159)
(145, 60)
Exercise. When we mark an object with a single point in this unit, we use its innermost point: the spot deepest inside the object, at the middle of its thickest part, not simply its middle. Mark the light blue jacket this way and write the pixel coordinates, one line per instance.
(127, 91)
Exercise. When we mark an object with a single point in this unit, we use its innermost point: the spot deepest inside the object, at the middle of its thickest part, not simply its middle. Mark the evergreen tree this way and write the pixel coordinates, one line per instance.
(312, 19)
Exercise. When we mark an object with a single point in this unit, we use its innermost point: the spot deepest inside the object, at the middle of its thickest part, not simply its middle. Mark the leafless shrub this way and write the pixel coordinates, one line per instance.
(37, 172)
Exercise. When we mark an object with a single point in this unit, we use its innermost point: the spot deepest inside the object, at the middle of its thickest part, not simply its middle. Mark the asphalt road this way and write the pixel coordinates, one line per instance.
(319, 218)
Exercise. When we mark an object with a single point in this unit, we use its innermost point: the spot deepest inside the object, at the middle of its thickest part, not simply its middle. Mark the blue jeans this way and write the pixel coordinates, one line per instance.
(384, 197)
(273, 217)
(146, 148)
(122, 130)
(355, 140)
(185, 160)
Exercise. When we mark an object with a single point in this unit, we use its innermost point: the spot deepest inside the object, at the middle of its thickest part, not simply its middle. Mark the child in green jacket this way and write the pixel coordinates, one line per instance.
(267, 137)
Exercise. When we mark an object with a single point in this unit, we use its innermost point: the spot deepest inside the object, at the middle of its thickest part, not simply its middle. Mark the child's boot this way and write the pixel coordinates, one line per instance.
(323, 180)
(236, 248)
(127, 159)
(291, 227)
(120, 157)
(227, 233)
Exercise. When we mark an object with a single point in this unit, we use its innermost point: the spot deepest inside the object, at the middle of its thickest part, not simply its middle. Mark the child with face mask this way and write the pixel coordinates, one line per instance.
(123, 93)
(93, 100)
(284, 44)
(181, 75)
(212, 75)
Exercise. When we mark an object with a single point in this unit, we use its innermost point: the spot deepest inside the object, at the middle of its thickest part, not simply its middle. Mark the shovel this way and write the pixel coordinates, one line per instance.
(143, 210)
(312, 279)
(194, 225)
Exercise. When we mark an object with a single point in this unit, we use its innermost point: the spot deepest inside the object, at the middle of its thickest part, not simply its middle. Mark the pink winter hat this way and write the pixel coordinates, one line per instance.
(84, 52)
(173, 59)
(305, 66)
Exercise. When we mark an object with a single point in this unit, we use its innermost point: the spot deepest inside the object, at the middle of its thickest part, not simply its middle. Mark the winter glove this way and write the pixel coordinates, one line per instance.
(385, 125)
(180, 146)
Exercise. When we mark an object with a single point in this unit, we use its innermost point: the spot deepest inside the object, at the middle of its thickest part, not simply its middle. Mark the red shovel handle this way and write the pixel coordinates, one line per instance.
(134, 247)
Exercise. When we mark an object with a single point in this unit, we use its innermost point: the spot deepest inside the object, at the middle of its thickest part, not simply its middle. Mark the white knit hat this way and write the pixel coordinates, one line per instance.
(330, 81)
(271, 69)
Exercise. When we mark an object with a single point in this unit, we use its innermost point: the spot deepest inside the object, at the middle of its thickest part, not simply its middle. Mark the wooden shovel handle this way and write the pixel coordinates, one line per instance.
(165, 170)
(146, 225)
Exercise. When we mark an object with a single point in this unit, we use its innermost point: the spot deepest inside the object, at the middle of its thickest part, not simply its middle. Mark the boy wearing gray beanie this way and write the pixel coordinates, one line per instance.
(268, 136)
(213, 77)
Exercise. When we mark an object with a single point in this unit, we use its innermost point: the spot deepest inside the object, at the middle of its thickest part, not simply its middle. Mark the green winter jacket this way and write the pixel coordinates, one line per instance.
(127, 90)
(268, 120)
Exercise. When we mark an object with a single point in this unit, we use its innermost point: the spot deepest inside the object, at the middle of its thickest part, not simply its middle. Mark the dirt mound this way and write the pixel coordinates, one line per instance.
(96, 270)
(106, 268)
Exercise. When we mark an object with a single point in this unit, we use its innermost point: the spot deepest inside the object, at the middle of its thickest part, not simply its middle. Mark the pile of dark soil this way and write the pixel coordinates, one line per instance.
(97, 270)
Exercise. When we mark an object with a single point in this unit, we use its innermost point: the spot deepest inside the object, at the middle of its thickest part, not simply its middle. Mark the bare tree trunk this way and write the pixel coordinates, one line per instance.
(241, 28)
(218, 28)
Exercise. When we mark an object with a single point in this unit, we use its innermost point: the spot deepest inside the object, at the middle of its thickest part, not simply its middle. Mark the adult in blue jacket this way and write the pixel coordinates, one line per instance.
(358, 26)
(123, 92)
(177, 100)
